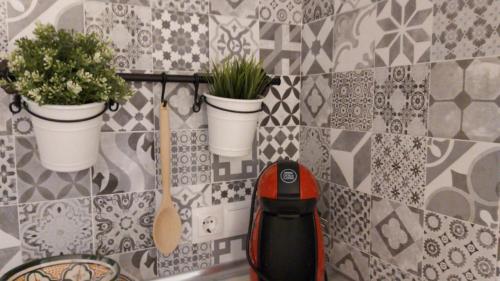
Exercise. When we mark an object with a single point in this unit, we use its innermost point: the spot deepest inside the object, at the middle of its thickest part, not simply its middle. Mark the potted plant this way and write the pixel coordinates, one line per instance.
(64, 77)
(235, 99)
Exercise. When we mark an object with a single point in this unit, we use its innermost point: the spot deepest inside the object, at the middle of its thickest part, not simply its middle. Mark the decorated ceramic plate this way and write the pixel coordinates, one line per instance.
(66, 268)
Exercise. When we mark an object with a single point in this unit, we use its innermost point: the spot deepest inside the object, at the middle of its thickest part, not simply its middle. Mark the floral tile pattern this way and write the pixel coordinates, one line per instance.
(349, 262)
(350, 154)
(141, 265)
(180, 41)
(126, 163)
(235, 168)
(239, 8)
(229, 249)
(232, 191)
(233, 37)
(350, 217)
(315, 100)
(129, 29)
(398, 168)
(314, 151)
(404, 32)
(317, 46)
(123, 222)
(316, 9)
(8, 191)
(465, 29)
(54, 228)
(190, 157)
(459, 184)
(401, 100)
(280, 48)
(281, 11)
(281, 104)
(136, 114)
(354, 39)
(381, 270)
(457, 250)
(465, 99)
(35, 183)
(5, 115)
(352, 100)
(187, 257)
(396, 234)
(10, 250)
(278, 143)
(197, 6)
(21, 124)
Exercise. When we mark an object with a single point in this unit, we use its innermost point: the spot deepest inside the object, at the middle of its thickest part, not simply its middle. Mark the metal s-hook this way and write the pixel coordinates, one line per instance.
(163, 86)
(197, 98)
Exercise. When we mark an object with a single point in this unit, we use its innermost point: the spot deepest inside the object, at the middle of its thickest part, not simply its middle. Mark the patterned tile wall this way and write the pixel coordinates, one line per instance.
(399, 114)
(109, 209)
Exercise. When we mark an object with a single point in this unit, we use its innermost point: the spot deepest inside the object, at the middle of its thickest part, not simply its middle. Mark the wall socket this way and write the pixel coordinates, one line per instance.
(208, 223)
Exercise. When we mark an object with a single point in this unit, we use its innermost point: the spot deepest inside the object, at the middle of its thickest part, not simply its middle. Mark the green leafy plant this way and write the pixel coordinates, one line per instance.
(239, 78)
(64, 68)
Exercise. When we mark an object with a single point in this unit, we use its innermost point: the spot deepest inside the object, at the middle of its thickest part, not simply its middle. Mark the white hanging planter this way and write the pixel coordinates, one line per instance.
(231, 134)
(67, 147)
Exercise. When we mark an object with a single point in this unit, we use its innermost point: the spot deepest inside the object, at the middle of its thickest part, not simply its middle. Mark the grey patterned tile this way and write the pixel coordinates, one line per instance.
(278, 143)
(235, 168)
(141, 265)
(381, 270)
(186, 258)
(180, 41)
(324, 202)
(350, 154)
(123, 222)
(317, 9)
(126, 163)
(197, 6)
(350, 217)
(239, 8)
(35, 183)
(458, 250)
(4, 32)
(10, 250)
(396, 234)
(281, 11)
(232, 191)
(315, 152)
(280, 48)
(404, 33)
(5, 115)
(315, 100)
(354, 42)
(129, 29)
(398, 168)
(229, 249)
(281, 104)
(317, 46)
(342, 6)
(349, 262)
(134, 115)
(465, 101)
(55, 228)
(352, 100)
(464, 29)
(190, 157)
(130, 2)
(401, 100)
(462, 180)
(8, 190)
(233, 37)
(21, 124)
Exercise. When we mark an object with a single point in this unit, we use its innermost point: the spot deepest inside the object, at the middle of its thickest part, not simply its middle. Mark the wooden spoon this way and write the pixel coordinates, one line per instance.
(167, 225)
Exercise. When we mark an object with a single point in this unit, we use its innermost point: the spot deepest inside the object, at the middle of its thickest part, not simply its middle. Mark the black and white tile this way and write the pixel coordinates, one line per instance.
(229, 249)
(10, 248)
(316, 9)
(281, 11)
(317, 46)
(239, 8)
(193, 6)
(281, 103)
(232, 191)
(140, 265)
(8, 177)
(278, 143)
(315, 100)
(349, 262)
(185, 258)
(381, 270)
(315, 151)
(235, 168)
(280, 48)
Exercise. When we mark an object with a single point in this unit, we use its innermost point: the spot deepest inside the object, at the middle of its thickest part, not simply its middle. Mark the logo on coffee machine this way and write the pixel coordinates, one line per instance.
(288, 176)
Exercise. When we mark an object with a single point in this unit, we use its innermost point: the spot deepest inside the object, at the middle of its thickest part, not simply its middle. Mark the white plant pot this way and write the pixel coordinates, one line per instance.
(67, 147)
(231, 134)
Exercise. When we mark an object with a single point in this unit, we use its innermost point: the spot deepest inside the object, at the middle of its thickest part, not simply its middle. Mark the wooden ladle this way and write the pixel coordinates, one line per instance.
(167, 224)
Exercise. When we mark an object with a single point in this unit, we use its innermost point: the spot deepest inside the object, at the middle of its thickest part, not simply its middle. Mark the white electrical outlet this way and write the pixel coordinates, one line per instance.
(208, 223)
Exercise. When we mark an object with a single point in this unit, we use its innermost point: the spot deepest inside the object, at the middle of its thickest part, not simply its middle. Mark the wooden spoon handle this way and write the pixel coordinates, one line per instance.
(165, 143)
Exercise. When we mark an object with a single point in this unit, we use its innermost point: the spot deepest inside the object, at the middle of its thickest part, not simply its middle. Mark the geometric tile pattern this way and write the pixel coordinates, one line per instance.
(314, 151)
(10, 250)
(281, 11)
(128, 27)
(404, 33)
(280, 48)
(458, 250)
(229, 249)
(54, 228)
(350, 159)
(232, 191)
(463, 181)
(317, 9)
(398, 168)
(381, 270)
(343, 6)
(190, 157)
(350, 217)
(401, 100)
(281, 103)
(185, 258)
(352, 100)
(8, 192)
(465, 101)
(315, 104)
(465, 29)
(350, 263)
(141, 265)
(396, 234)
(278, 143)
(323, 204)
(235, 168)
(199, 6)
(239, 8)
(180, 41)
(317, 47)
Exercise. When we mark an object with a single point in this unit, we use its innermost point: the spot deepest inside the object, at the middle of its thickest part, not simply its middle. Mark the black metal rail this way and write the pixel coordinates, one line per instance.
(174, 78)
